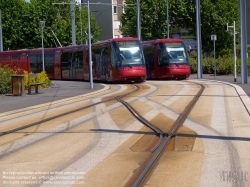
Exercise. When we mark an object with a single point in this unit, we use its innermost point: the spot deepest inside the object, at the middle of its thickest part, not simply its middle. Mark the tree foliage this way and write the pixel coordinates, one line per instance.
(153, 19)
(20, 23)
(182, 14)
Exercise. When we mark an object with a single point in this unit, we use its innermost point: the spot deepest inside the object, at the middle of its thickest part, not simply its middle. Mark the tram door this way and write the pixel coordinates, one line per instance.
(68, 65)
(104, 63)
(72, 66)
(57, 65)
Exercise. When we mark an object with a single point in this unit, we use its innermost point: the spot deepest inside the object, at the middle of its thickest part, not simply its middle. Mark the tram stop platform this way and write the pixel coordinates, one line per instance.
(58, 90)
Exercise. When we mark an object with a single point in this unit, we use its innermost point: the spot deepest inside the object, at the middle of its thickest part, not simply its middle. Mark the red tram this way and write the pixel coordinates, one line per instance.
(113, 60)
(166, 59)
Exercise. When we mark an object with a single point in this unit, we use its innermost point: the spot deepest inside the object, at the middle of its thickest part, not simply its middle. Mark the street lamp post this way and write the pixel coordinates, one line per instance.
(42, 24)
(214, 38)
(235, 57)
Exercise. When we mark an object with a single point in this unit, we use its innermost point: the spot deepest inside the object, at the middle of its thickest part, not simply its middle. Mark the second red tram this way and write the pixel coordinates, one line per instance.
(166, 59)
(113, 60)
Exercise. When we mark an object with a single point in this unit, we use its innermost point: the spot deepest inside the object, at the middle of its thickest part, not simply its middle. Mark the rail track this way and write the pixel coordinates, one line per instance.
(33, 132)
(141, 175)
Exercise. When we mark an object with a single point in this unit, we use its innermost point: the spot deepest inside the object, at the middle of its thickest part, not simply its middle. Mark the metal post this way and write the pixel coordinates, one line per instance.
(214, 37)
(138, 19)
(214, 62)
(243, 42)
(198, 36)
(90, 53)
(81, 20)
(167, 21)
(43, 51)
(56, 38)
(42, 24)
(1, 35)
(72, 5)
(235, 67)
(234, 33)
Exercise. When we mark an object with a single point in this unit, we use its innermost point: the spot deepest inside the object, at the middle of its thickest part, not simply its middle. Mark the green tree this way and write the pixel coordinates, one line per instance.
(21, 23)
(12, 13)
(182, 14)
(153, 19)
(214, 15)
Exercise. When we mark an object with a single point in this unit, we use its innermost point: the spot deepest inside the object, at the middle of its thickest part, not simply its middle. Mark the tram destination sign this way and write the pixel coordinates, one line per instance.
(173, 44)
(127, 43)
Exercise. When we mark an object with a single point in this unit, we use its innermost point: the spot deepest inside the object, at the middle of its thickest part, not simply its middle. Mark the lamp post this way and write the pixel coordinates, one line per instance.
(235, 57)
(42, 24)
(214, 38)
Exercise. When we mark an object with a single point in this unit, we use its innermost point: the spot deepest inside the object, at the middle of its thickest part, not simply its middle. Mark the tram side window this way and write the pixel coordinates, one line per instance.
(15, 59)
(65, 58)
(163, 58)
(149, 56)
(114, 55)
(79, 60)
(49, 63)
(36, 63)
(96, 60)
(104, 59)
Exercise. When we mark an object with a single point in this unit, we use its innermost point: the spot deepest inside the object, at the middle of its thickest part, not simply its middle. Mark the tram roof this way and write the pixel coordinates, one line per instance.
(165, 40)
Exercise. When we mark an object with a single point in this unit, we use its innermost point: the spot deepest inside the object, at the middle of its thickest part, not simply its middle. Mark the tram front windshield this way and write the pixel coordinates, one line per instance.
(129, 53)
(176, 53)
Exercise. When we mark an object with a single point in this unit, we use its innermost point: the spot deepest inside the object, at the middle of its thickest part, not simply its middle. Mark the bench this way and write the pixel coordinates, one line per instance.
(35, 84)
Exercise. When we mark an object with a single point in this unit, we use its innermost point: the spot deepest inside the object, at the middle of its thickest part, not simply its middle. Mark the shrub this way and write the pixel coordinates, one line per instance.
(224, 65)
(5, 79)
(42, 77)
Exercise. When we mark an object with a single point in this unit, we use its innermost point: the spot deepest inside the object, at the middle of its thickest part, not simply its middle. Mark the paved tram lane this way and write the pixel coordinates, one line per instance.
(88, 146)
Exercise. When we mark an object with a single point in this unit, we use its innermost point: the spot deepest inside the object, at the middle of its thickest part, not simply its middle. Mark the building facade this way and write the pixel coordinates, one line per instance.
(107, 14)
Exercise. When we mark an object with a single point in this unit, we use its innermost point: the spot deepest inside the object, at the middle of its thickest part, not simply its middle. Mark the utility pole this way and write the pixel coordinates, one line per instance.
(90, 52)
(138, 19)
(72, 5)
(198, 36)
(167, 20)
(243, 41)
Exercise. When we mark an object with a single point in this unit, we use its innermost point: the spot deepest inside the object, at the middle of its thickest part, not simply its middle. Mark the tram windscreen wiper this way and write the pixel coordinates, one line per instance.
(126, 60)
(175, 63)
(169, 54)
